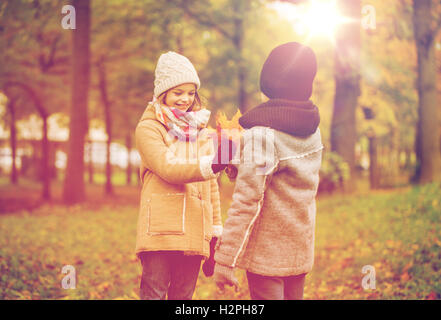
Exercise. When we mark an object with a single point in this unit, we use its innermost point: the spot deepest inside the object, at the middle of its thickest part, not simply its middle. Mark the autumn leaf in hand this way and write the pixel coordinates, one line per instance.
(231, 128)
(223, 122)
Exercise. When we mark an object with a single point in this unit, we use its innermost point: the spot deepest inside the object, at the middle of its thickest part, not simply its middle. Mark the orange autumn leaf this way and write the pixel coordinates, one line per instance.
(405, 277)
(407, 266)
(222, 121)
(104, 286)
(235, 119)
(230, 128)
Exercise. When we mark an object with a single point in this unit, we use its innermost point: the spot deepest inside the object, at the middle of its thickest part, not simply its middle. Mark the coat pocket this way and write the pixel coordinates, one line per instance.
(166, 214)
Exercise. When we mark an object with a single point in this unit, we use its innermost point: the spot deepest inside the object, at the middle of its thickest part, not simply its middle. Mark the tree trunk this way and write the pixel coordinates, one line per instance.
(13, 141)
(107, 114)
(45, 172)
(394, 157)
(374, 177)
(74, 188)
(45, 175)
(129, 162)
(427, 142)
(347, 80)
(239, 8)
(90, 163)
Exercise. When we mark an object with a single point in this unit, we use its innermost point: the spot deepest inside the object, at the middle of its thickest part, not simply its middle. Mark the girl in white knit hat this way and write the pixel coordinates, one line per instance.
(179, 208)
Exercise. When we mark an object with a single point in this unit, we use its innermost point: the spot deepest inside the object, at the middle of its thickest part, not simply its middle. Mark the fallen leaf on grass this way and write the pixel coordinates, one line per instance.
(104, 286)
(393, 244)
(405, 277)
(407, 267)
(373, 295)
(432, 296)
(341, 264)
(93, 295)
(339, 289)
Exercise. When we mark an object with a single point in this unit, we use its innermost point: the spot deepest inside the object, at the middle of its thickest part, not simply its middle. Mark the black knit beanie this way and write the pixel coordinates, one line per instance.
(288, 72)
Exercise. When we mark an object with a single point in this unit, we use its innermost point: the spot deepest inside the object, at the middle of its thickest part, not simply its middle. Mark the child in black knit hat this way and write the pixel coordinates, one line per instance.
(270, 227)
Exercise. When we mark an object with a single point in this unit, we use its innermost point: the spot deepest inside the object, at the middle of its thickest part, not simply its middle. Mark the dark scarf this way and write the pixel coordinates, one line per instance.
(298, 118)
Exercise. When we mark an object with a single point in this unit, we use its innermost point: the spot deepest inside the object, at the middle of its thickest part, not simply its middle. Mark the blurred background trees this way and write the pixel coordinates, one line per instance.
(427, 25)
(377, 88)
(74, 190)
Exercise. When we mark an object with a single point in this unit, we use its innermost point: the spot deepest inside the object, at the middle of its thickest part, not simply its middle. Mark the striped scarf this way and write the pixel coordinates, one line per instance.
(183, 125)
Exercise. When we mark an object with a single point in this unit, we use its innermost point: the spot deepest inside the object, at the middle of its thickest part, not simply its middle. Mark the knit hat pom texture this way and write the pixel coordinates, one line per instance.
(289, 72)
(173, 70)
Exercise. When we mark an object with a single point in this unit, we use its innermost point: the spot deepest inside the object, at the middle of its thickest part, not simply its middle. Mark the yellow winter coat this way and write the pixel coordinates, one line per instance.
(180, 205)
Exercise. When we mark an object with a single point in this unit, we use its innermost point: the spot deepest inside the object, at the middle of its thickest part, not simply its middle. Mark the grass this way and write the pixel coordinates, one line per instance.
(396, 231)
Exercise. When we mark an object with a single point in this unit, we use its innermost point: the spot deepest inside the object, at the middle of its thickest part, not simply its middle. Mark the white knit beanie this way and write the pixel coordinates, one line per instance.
(173, 70)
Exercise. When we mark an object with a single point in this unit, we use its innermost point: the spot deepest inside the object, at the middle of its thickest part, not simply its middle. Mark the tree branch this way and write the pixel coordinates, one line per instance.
(46, 64)
(205, 22)
(31, 92)
(437, 29)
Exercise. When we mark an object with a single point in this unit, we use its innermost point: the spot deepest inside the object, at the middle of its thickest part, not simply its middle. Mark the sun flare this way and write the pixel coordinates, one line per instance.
(316, 18)
(322, 18)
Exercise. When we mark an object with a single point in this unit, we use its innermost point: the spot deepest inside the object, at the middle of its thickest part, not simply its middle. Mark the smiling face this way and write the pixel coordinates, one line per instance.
(181, 97)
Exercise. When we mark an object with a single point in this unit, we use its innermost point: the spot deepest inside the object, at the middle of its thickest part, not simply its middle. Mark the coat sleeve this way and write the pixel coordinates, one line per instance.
(157, 157)
(215, 202)
(255, 170)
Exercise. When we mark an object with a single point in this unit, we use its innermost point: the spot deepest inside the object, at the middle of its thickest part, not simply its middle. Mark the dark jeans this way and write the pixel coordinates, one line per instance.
(276, 288)
(168, 272)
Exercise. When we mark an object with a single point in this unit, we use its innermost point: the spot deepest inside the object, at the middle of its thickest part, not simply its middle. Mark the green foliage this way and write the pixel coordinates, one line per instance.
(334, 172)
(388, 74)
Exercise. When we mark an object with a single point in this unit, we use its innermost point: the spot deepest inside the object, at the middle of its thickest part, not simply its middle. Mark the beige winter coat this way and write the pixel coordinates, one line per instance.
(180, 206)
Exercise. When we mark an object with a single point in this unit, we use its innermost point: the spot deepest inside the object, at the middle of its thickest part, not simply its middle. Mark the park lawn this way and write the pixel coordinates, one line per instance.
(397, 232)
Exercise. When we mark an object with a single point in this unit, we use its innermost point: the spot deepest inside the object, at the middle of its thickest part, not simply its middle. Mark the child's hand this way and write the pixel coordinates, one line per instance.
(225, 146)
(224, 275)
(208, 266)
(231, 172)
